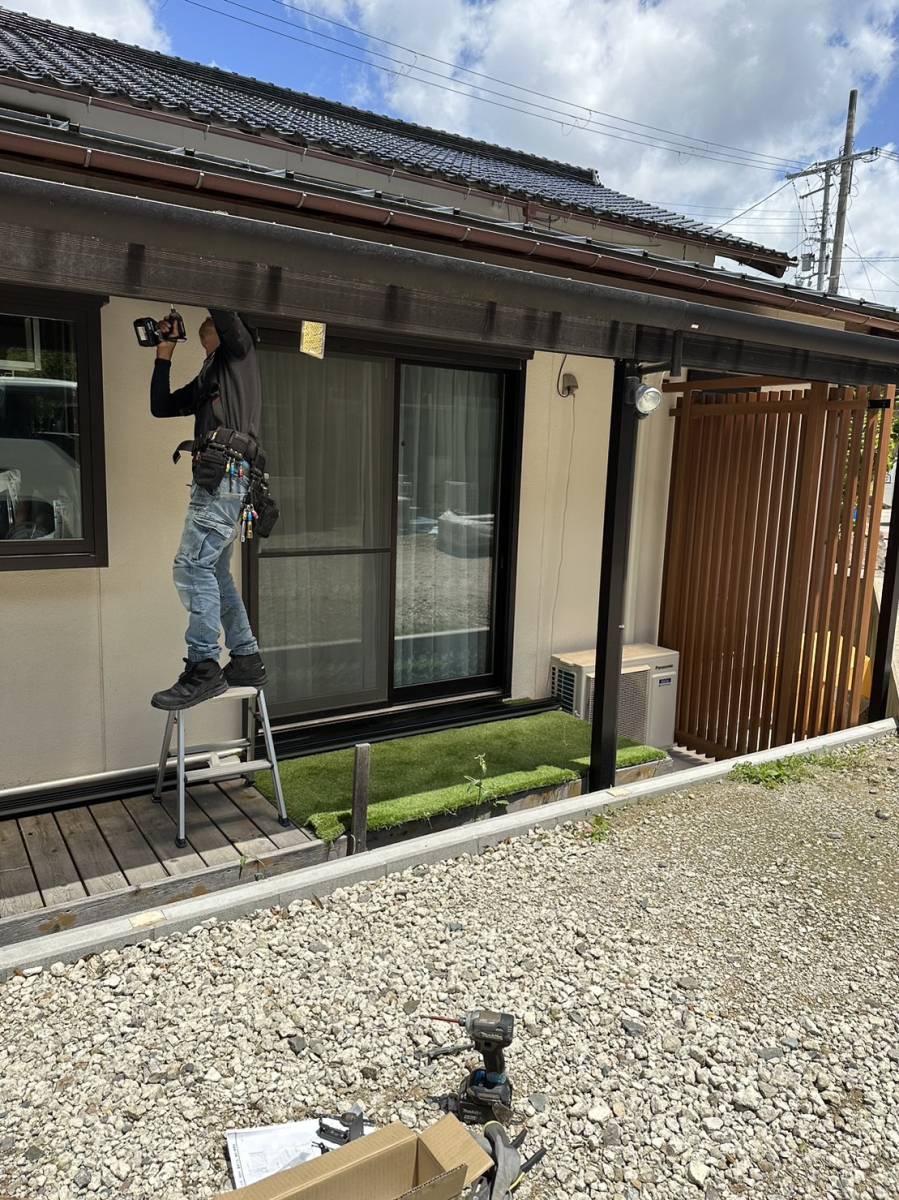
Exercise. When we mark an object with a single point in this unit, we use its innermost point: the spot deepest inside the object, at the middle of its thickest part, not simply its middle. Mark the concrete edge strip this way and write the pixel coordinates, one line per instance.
(321, 880)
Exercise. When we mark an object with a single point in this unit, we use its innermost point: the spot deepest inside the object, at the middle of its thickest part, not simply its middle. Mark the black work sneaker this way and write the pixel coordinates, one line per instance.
(199, 681)
(245, 670)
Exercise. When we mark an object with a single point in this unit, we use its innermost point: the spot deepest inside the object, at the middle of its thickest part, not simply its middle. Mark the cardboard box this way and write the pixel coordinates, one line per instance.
(394, 1163)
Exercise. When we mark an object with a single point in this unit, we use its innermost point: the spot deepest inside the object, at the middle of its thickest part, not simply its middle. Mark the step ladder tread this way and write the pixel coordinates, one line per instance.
(227, 771)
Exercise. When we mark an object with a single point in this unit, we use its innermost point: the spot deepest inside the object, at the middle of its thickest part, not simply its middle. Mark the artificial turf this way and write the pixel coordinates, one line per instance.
(429, 774)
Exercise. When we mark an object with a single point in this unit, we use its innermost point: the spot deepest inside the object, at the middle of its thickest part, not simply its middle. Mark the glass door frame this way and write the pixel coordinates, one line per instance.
(512, 369)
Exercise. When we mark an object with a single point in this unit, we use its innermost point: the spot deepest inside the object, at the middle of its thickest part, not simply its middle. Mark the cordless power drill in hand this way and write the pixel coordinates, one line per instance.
(486, 1092)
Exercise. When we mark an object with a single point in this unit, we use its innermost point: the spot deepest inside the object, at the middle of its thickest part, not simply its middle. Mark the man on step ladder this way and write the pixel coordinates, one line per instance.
(228, 496)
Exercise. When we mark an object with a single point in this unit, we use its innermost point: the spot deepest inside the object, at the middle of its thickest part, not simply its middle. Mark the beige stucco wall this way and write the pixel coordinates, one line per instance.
(85, 649)
(560, 522)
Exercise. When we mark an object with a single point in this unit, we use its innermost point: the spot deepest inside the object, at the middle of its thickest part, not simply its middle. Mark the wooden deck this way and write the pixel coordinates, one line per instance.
(77, 865)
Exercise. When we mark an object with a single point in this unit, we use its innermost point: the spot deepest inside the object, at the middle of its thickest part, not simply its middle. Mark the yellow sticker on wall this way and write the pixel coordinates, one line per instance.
(312, 338)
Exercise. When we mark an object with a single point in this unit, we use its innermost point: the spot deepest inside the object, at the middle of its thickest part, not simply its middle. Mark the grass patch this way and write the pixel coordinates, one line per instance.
(773, 774)
(389, 813)
(406, 771)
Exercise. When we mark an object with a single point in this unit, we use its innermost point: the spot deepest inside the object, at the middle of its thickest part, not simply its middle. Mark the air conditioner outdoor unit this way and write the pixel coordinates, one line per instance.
(647, 693)
(566, 679)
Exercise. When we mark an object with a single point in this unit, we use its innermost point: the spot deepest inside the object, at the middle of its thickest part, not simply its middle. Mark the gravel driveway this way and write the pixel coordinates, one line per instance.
(707, 995)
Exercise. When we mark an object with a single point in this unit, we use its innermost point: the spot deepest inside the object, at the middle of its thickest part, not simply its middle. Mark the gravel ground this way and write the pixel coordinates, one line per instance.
(706, 993)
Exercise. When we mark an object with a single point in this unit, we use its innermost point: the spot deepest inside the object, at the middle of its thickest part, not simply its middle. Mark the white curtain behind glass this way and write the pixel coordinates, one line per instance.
(449, 430)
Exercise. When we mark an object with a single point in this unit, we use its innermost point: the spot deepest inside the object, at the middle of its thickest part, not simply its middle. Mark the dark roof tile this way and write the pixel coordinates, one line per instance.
(40, 50)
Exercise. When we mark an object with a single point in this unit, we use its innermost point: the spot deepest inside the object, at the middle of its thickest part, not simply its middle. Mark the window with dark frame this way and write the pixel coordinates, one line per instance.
(388, 579)
(52, 478)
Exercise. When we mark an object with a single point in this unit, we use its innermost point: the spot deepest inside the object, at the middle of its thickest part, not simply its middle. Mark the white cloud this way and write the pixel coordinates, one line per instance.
(134, 21)
(758, 74)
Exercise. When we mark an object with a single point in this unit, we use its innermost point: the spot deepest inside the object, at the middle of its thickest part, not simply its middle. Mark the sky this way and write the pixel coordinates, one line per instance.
(696, 105)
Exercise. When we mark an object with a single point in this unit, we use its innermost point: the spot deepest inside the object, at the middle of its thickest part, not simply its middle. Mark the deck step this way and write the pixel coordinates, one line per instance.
(232, 770)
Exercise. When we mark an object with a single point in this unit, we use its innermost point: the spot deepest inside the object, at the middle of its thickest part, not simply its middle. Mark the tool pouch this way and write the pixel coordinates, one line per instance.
(210, 464)
(267, 513)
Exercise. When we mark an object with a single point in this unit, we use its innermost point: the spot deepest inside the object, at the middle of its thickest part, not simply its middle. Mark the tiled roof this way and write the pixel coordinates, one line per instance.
(43, 52)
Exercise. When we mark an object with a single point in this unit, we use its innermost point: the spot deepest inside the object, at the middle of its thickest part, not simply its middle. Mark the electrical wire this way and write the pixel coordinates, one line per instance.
(770, 196)
(774, 159)
(567, 123)
(864, 264)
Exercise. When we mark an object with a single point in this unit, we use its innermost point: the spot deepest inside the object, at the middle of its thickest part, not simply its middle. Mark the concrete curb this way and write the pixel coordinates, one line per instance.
(321, 880)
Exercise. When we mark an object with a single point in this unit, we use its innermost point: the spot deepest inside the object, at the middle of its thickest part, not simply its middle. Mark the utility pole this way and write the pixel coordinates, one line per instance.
(839, 231)
(825, 218)
(826, 168)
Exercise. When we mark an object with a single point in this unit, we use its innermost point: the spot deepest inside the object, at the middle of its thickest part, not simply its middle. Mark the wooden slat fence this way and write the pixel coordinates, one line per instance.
(773, 526)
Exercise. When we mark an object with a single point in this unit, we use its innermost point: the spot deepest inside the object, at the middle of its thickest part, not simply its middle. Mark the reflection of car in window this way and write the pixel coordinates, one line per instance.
(40, 475)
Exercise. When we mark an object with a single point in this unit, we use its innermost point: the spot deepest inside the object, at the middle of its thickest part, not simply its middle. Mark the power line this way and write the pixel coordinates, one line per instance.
(571, 124)
(770, 196)
(759, 155)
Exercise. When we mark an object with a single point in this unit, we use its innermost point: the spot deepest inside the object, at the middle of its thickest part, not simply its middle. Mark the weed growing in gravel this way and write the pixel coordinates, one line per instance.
(600, 828)
(772, 774)
(840, 760)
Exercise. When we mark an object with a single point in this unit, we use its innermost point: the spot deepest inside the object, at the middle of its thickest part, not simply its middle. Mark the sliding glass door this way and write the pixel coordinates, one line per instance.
(324, 574)
(449, 430)
(381, 581)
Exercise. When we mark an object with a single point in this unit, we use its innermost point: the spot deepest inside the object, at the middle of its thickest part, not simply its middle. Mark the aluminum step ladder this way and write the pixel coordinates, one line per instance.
(223, 759)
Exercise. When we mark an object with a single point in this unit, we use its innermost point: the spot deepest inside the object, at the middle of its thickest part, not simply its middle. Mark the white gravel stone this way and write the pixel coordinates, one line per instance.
(648, 973)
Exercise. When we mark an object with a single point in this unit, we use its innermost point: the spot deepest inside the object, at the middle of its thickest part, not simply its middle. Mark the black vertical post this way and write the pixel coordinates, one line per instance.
(612, 580)
(361, 784)
(882, 669)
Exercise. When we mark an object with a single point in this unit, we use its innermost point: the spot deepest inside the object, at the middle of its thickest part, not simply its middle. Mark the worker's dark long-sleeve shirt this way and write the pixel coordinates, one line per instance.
(227, 392)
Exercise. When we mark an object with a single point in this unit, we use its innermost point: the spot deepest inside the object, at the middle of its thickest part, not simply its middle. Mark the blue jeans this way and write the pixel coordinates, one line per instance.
(202, 572)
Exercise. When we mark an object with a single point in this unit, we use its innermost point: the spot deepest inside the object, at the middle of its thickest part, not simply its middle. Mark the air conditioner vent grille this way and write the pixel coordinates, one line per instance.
(633, 705)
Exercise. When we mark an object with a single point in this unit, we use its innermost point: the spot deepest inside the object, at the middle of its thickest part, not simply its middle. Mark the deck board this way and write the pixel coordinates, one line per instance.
(207, 839)
(97, 867)
(255, 806)
(136, 858)
(160, 831)
(19, 892)
(237, 827)
(56, 874)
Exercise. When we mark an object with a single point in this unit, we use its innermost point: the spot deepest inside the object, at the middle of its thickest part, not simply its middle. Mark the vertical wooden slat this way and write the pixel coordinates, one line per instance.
(741, 470)
(858, 527)
(817, 683)
(778, 425)
(808, 482)
(693, 556)
(776, 622)
(844, 546)
(722, 573)
(861, 640)
(763, 554)
(822, 567)
(741, 686)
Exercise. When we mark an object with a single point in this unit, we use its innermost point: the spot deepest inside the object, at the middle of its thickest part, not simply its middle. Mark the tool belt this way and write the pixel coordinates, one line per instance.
(222, 453)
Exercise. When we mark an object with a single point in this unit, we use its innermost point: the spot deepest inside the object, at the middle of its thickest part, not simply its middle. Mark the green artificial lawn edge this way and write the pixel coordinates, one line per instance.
(319, 786)
(329, 826)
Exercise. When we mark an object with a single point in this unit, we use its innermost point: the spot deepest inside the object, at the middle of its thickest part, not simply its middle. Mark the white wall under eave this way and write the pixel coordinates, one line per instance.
(563, 477)
(84, 649)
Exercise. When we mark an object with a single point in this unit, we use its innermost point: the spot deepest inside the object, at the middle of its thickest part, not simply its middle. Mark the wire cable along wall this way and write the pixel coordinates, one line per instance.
(773, 530)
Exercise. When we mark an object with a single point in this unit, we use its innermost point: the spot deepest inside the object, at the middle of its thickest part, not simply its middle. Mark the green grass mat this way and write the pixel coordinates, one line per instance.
(426, 775)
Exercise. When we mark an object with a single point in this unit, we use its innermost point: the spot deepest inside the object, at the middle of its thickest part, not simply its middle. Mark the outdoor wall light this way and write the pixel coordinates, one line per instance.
(644, 398)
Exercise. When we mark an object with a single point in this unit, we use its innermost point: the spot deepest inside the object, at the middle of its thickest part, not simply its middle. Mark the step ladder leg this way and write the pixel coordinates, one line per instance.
(283, 818)
(163, 757)
(181, 839)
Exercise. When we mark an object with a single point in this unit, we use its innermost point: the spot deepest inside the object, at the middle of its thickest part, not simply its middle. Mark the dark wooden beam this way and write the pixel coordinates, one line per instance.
(93, 264)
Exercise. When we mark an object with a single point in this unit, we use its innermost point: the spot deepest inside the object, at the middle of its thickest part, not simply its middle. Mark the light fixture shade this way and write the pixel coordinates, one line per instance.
(647, 399)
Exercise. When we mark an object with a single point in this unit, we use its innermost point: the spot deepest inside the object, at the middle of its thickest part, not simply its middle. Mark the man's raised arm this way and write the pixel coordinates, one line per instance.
(163, 401)
(233, 334)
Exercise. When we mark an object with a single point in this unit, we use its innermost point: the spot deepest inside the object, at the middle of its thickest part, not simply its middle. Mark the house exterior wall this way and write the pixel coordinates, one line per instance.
(563, 479)
(86, 648)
